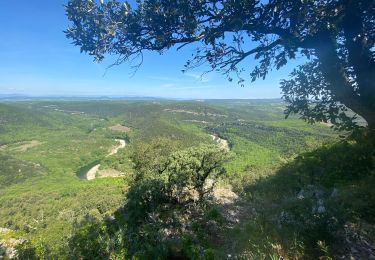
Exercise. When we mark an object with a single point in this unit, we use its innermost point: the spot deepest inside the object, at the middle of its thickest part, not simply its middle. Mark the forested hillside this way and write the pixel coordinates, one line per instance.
(195, 179)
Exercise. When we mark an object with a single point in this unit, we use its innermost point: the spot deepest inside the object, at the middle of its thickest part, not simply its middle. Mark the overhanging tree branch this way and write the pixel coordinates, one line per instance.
(339, 33)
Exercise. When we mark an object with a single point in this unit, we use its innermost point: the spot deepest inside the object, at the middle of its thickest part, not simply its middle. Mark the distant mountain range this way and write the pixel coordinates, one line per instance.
(20, 97)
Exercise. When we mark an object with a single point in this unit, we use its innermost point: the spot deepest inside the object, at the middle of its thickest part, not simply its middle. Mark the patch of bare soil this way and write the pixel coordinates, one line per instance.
(110, 173)
(120, 128)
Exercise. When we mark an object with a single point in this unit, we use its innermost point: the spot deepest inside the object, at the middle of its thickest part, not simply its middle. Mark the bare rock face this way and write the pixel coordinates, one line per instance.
(8, 246)
(4, 230)
(222, 143)
(357, 245)
(225, 195)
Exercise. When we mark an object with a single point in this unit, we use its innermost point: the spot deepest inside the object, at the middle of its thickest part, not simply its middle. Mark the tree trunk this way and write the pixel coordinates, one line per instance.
(371, 123)
(341, 89)
(359, 54)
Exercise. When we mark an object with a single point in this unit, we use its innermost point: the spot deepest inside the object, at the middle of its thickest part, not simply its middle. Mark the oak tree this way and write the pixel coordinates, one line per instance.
(336, 37)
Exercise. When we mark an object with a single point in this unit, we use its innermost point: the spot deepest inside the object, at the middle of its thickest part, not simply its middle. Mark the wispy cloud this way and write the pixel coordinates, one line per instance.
(163, 78)
(185, 87)
(169, 85)
(195, 76)
(195, 87)
(198, 76)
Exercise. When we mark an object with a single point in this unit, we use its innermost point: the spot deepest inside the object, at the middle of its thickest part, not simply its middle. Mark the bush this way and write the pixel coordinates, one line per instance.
(169, 192)
(96, 240)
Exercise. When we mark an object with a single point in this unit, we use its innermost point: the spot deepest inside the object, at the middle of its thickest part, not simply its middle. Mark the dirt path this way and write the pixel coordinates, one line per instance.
(91, 173)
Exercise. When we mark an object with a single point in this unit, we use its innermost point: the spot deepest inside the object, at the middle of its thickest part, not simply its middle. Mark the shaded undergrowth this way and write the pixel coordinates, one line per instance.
(311, 207)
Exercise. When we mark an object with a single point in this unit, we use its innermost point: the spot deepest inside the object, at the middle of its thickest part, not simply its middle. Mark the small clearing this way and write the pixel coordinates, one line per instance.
(27, 145)
(22, 146)
(110, 173)
(223, 144)
(120, 128)
(91, 173)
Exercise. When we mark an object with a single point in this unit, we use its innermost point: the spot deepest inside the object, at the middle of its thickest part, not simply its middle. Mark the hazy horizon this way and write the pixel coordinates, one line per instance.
(17, 96)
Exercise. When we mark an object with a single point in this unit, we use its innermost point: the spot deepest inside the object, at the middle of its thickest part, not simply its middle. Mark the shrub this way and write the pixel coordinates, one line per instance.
(169, 191)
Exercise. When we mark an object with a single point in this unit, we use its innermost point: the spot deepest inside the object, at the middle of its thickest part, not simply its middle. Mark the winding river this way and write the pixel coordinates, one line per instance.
(91, 173)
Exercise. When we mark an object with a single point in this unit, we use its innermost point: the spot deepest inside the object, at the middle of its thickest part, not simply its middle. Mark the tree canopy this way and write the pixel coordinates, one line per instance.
(335, 36)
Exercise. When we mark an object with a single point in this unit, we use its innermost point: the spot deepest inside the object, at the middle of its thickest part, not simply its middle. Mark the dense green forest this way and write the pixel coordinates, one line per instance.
(281, 188)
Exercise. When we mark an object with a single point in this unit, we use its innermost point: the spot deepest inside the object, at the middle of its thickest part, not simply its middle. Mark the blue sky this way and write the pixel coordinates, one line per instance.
(37, 60)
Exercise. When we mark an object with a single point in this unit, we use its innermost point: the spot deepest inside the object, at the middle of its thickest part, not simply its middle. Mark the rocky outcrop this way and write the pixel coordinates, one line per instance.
(8, 247)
